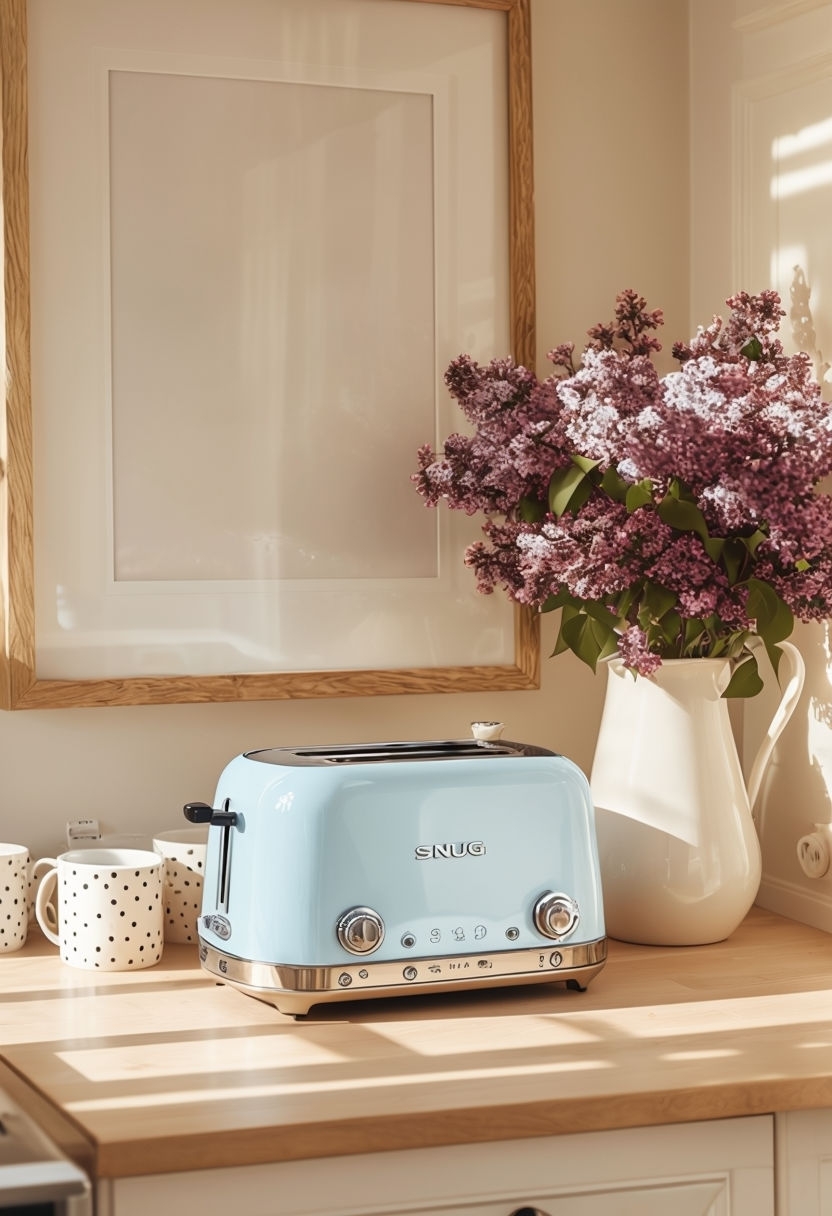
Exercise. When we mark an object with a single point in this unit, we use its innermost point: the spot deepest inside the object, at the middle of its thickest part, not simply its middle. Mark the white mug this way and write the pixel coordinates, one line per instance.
(183, 850)
(14, 896)
(103, 908)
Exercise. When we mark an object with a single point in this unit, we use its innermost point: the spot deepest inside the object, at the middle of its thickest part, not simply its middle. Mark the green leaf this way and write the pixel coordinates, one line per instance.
(714, 547)
(753, 542)
(728, 645)
(627, 598)
(584, 463)
(733, 558)
(639, 495)
(737, 643)
(752, 349)
(600, 612)
(614, 487)
(694, 631)
(570, 611)
(559, 599)
(530, 510)
(565, 488)
(678, 490)
(773, 617)
(683, 515)
(657, 600)
(670, 626)
(746, 681)
(802, 565)
(587, 638)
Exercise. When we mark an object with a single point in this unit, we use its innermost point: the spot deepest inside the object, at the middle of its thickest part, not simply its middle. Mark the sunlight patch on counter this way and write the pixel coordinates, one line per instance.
(326, 1085)
(715, 1053)
(199, 1057)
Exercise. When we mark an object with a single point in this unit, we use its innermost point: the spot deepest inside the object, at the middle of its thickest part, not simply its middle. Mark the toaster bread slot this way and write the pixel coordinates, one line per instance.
(225, 820)
(384, 753)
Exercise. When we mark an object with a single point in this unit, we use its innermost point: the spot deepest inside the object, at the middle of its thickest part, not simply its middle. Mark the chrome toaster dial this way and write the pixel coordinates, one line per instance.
(556, 915)
(360, 930)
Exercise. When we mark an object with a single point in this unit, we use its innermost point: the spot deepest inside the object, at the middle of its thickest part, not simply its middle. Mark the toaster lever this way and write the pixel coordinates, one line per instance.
(201, 812)
(198, 812)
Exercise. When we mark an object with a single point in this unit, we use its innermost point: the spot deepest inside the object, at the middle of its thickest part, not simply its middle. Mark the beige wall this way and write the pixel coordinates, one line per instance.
(611, 149)
(762, 79)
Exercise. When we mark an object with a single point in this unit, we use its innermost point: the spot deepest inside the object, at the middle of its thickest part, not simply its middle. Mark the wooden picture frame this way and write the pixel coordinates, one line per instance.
(21, 683)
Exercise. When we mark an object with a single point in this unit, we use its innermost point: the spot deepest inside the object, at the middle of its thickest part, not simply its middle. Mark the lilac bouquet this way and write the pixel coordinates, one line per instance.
(666, 516)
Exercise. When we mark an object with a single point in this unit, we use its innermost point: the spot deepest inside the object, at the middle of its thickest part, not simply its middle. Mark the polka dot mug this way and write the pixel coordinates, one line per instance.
(103, 908)
(14, 896)
(184, 852)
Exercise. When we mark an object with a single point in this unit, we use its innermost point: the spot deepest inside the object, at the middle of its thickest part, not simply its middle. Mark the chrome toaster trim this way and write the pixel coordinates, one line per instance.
(294, 990)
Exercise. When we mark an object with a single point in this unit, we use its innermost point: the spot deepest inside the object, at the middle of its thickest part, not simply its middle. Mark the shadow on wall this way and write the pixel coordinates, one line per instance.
(803, 324)
(796, 794)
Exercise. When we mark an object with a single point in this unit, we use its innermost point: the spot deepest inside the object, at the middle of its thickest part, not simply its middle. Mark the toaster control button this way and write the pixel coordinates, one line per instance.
(556, 915)
(360, 930)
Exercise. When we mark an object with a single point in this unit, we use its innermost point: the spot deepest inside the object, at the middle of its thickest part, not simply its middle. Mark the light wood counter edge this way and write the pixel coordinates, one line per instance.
(62, 1130)
(454, 1127)
(258, 1146)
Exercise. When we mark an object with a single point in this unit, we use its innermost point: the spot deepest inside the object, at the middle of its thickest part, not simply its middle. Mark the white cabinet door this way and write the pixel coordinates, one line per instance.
(723, 1168)
(804, 1163)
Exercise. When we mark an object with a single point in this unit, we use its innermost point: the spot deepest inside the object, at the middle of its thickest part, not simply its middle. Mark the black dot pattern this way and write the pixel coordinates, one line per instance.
(14, 898)
(111, 916)
(184, 867)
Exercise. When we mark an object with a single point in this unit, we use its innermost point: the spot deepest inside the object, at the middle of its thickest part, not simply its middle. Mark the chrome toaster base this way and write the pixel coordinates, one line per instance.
(294, 990)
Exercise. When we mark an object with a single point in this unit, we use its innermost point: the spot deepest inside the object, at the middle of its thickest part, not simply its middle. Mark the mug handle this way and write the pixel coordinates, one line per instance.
(49, 862)
(36, 871)
(45, 913)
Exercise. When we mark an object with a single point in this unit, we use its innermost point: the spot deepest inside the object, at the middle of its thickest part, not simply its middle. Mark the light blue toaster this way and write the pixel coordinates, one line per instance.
(390, 868)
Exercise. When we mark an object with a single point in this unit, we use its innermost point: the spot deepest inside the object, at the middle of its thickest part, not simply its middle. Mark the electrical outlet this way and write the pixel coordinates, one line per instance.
(814, 851)
(82, 831)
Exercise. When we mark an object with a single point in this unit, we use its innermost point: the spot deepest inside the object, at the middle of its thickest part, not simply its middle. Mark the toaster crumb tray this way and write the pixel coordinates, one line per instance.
(295, 990)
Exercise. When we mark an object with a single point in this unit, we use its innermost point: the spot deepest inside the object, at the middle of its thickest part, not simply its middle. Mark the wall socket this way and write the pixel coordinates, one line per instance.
(814, 851)
(82, 831)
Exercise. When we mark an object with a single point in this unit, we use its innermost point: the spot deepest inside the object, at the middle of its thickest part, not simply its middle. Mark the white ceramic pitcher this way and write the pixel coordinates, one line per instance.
(678, 848)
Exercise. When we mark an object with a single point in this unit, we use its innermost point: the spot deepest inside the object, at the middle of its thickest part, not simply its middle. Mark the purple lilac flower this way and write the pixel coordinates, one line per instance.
(602, 403)
(516, 444)
(694, 485)
(633, 649)
(595, 554)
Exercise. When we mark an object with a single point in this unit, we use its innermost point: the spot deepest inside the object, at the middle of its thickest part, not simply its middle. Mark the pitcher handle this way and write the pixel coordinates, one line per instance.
(788, 701)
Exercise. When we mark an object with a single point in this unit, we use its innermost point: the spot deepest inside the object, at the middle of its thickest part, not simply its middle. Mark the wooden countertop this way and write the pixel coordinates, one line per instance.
(165, 1070)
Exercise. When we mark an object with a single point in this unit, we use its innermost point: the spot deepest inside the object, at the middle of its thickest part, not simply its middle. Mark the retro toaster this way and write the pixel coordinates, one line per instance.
(381, 869)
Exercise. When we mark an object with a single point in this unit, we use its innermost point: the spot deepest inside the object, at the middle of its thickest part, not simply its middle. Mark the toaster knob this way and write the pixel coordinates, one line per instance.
(556, 915)
(360, 930)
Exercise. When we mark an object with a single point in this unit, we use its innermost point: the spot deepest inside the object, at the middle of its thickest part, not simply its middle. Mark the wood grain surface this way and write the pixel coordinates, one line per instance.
(165, 1070)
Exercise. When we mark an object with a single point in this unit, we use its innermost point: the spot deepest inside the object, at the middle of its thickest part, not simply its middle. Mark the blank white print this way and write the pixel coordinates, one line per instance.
(272, 328)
